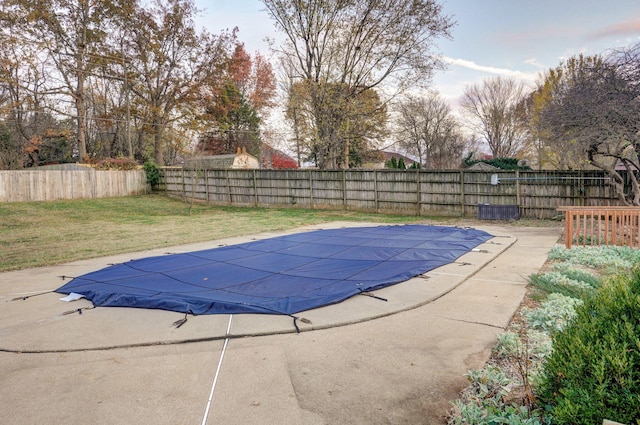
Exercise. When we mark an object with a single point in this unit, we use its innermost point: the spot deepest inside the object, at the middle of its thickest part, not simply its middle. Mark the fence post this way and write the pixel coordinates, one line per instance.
(375, 190)
(184, 187)
(206, 184)
(462, 203)
(518, 188)
(344, 189)
(255, 188)
(419, 193)
(311, 189)
(583, 191)
(228, 186)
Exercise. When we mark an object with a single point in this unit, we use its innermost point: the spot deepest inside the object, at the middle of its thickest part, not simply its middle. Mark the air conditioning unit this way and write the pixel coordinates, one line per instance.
(498, 212)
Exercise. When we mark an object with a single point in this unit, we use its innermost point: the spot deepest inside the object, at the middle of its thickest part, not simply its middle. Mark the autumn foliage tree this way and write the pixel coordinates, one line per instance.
(125, 77)
(282, 162)
(272, 158)
(236, 103)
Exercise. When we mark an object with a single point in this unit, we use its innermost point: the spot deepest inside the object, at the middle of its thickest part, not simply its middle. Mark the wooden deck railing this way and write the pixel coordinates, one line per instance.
(594, 226)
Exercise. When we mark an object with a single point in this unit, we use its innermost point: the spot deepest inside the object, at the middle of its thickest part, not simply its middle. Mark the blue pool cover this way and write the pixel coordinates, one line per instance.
(282, 275)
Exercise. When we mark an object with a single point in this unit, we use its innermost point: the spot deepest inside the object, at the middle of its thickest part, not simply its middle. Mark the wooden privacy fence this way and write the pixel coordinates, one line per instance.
(594, 226)
(48, 185)
(537, 194)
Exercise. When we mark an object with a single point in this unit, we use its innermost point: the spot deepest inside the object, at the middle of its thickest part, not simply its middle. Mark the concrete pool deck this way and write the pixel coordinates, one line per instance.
(362, 361)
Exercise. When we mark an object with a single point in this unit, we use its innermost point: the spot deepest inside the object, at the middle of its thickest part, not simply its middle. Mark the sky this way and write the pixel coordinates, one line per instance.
(514, 38)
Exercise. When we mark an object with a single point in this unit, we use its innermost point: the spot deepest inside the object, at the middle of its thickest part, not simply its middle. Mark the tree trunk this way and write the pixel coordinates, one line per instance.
(81, 107)
(157, 144)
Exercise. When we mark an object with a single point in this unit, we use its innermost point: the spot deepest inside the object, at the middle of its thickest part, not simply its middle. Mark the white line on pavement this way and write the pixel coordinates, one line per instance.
(215, 378)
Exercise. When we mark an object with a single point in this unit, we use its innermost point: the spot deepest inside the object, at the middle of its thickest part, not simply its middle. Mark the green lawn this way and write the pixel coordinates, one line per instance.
(35, 234)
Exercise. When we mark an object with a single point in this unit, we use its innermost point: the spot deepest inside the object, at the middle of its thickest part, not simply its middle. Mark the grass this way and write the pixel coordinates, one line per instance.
(36, 234)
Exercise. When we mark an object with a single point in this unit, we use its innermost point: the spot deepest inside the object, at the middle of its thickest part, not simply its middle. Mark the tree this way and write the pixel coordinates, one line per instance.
(530, 108)
(253, 77)
(31, 134)
(362, 128)
(558, 149)
(493, 110)
(396, 164)
(20, 100)
(342, 48)
(130, 74)
(428, 130)
(235, 107)
(357, 124)
(172, 62)
(597, 107)
(73, 34)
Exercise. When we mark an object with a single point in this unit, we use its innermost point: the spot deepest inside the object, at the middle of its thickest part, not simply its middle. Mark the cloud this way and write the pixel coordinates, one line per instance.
(534, 62)
(526, 76)
(631, 27)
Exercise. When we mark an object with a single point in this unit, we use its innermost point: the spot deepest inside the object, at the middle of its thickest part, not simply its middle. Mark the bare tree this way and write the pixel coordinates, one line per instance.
(342, 48)
(24, 106)
(171, 62)
(72, 33)
(428, 130)
(493, 110)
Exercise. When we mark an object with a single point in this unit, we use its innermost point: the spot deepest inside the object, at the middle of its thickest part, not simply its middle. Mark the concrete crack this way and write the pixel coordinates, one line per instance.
(476, 323)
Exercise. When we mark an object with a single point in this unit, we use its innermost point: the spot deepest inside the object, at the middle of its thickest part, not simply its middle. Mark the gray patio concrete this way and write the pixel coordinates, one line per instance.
(363, 361)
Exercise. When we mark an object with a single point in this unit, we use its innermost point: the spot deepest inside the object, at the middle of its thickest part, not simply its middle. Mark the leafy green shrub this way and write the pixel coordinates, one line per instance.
(502, 163)
(509, 344)
(608, 259)
(475, 414)
(484, 403)
(554, 314)
(153, 174)
(540, 345)
(396, 164)
(594, 370)
(489, 383)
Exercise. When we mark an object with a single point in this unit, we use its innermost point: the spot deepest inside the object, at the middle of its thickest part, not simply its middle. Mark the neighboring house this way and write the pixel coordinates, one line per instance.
(482, 166)
(63, 167)
(240, 160)
(386, 156)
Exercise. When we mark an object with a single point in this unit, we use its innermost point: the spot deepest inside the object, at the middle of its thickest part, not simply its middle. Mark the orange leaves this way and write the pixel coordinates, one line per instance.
(240, 66)
(265, 86)
(254, 78)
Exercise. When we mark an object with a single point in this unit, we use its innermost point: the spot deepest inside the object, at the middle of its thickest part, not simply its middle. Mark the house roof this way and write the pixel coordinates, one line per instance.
(482, 166)
(210, 162)
(388, 155)
(68, 166)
